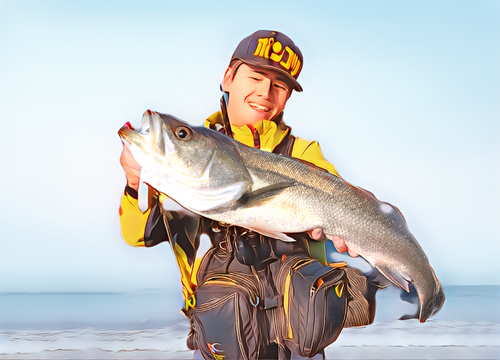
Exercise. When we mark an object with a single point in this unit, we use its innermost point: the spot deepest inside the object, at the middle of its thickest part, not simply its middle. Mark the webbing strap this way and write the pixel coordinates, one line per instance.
(273, 302)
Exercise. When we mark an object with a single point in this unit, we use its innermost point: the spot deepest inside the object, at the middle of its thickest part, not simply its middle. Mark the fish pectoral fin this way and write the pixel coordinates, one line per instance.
(398, 278)
(277, 235)
(269, 231)
(265, 230)
(261, 196)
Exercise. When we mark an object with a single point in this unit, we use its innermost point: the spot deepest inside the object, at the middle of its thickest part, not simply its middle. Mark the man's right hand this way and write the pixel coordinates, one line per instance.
(131, 167)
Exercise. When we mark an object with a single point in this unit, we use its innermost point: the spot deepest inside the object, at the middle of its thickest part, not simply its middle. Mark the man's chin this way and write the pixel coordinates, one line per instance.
(257, 116)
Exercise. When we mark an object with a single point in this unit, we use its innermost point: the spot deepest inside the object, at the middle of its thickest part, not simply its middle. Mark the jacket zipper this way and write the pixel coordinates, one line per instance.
(256, 136)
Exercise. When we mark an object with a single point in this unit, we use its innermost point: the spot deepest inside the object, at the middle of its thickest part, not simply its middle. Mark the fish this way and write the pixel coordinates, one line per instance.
(217, 177)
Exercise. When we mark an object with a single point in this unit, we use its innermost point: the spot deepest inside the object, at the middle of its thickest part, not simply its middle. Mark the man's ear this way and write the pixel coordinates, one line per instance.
(227, 80)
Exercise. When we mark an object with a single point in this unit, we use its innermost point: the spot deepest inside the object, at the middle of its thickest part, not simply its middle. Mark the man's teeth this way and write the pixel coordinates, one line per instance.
(259, 107)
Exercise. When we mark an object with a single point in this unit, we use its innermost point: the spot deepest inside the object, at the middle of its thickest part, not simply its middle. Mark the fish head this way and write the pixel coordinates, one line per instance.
(197, 167)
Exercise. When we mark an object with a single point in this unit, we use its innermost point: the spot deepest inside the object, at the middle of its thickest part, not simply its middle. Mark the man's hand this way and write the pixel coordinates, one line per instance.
(338, 242)
(131, 167)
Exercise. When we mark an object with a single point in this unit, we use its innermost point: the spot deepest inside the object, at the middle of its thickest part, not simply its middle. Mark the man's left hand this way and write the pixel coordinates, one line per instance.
(338, 242)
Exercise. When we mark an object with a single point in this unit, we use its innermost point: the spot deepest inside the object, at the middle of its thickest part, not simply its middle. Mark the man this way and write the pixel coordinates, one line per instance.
(258, 82)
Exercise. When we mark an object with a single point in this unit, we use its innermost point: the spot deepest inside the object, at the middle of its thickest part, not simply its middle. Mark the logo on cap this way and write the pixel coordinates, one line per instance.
(268, 48)
(271, 50)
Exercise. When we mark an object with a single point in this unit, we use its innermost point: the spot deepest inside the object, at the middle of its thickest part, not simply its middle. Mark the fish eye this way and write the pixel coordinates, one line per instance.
(183, 133)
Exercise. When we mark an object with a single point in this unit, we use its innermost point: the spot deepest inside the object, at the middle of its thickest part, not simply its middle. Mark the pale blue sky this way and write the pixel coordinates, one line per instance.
(403, 97)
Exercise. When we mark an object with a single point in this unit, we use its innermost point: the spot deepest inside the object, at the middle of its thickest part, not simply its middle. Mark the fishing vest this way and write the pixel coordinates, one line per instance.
(252, 297)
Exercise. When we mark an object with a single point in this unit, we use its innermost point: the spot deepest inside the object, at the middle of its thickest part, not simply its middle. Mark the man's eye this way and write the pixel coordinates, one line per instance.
(254, 78)
(281, 87)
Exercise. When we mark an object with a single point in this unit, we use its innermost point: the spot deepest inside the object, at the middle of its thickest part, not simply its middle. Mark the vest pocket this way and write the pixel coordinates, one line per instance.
(226, 318)
(314, 304)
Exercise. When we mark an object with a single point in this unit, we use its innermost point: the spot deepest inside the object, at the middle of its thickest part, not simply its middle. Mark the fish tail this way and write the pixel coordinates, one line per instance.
(432, 305)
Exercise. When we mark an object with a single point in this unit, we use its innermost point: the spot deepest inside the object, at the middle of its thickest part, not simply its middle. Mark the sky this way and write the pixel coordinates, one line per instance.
(403, 97)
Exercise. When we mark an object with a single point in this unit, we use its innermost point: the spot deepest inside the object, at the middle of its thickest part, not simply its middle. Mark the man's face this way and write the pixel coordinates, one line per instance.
(254, 94)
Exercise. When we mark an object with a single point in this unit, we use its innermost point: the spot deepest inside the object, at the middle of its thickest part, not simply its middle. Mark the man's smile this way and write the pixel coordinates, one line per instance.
(258, 107)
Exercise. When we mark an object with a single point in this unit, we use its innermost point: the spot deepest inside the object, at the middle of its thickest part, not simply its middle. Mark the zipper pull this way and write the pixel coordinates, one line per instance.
(316, 286)
(256, 136)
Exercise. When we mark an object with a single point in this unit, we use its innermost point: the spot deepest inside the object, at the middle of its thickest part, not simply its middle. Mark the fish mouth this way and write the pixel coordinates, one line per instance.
(125, 130)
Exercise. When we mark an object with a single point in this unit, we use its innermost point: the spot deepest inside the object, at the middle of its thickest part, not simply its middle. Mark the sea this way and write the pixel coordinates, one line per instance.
(148, 324)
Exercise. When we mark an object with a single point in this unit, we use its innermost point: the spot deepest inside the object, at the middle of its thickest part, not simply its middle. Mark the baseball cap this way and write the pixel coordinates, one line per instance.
(271, 50)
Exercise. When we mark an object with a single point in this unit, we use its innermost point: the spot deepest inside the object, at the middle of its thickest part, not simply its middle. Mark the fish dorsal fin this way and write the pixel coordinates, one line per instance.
(261, 196)
(398, 278)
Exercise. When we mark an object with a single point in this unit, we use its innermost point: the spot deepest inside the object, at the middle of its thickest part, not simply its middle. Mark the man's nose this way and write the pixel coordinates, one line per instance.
(264, 88)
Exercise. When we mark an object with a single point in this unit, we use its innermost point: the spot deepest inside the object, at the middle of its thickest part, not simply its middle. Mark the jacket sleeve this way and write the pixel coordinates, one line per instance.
(142, 228)
(310, 151)
(148, 228)
(132, 219)
(156, 225)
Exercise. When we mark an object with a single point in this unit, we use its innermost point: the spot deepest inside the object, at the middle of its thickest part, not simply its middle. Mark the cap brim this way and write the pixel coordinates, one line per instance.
(293, 81)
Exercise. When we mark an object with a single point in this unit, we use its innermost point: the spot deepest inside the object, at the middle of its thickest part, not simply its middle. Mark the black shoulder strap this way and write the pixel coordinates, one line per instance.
(225, 118)
(285, 146)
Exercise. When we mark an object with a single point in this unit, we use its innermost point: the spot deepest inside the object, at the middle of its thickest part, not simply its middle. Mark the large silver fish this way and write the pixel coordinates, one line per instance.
(219, 178)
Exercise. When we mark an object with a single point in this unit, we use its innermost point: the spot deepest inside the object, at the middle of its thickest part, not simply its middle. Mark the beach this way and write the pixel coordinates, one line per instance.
(149, 325)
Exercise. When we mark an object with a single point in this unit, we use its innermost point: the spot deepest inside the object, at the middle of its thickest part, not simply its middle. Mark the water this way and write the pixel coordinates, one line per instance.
(149, 324)
(61, 311)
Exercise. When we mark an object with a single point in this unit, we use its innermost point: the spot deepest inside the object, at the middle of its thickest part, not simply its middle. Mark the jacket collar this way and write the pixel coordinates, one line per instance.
(271, 132)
